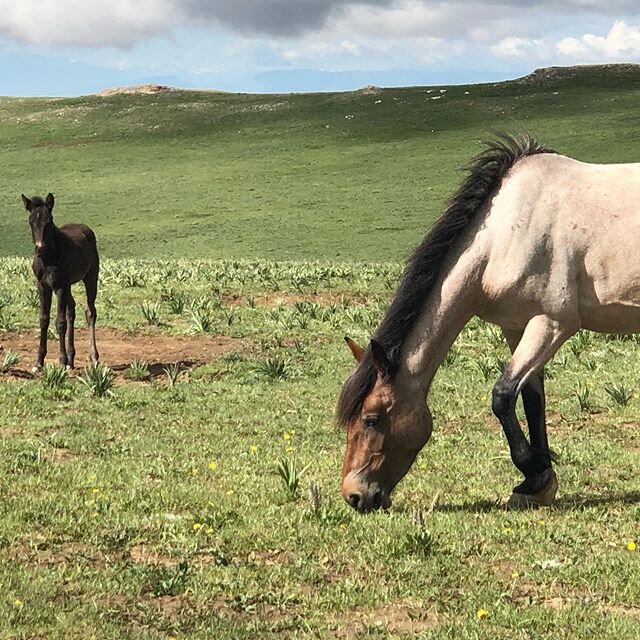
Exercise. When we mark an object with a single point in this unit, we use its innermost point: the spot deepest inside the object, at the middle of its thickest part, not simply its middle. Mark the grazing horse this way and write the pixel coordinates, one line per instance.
(535, 242)
(63, 256)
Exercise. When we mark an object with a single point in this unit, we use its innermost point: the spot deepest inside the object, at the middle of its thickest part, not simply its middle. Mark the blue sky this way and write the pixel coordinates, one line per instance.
(67, 47)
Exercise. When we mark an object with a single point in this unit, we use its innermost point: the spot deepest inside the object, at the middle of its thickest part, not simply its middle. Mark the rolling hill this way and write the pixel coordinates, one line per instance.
(357, 175)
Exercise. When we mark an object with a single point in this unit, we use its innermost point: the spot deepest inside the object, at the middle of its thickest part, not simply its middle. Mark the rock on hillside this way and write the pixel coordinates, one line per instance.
(553, 75)
(141, 88)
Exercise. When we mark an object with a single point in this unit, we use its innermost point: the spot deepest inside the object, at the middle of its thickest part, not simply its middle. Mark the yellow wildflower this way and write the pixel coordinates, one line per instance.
(196, 526)
(210, 530)
(481, 613)
(253, 448)
(213, 465)
(631, 545)
(18, 604)
(286, 436)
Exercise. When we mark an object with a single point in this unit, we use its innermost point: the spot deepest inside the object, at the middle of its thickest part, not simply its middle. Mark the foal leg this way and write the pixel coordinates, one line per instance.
(44, 293)
(542, 337)
(61, 322)
(91, 287)
(71, 318)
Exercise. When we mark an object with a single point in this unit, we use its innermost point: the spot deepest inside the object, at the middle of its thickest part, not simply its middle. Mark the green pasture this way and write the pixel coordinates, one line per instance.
(346, 176)
(204, 501)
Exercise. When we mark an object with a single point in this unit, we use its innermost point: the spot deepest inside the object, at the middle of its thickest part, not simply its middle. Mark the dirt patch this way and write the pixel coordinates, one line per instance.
(142, 554)
(61, 455)
(404, 618)
(289, 299)
(68, 553)
(631, 612)
(119, 349)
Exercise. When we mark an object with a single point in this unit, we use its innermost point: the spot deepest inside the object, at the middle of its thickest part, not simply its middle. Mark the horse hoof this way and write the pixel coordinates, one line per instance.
(544, 497)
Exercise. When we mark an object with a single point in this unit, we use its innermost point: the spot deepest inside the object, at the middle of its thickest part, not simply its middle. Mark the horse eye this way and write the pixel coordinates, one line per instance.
(371, 420)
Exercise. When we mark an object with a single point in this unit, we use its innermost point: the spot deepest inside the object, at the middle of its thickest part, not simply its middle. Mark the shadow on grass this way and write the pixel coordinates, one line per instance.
(567, 502)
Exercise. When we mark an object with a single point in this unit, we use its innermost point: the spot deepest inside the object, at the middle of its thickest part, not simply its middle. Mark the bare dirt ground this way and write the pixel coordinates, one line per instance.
(118, 349)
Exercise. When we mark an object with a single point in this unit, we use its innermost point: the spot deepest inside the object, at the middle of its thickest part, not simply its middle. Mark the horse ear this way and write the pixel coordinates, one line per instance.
(380, 359)
(50, 201)
(26, 202)
(356, 349)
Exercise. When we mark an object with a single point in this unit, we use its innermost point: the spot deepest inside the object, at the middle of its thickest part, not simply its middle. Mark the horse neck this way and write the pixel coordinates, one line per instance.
(447, 309)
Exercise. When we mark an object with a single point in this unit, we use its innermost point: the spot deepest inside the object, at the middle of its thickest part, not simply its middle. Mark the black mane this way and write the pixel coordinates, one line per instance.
(423, 268)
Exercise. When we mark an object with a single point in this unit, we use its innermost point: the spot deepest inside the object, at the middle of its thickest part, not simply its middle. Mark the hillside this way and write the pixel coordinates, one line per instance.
(301, 176)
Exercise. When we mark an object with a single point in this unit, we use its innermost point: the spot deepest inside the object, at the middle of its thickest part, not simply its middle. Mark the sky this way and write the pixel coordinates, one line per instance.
(71, 47)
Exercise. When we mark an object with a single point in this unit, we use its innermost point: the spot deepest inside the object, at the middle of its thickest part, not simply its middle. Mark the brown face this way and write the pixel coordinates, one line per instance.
(382, 443)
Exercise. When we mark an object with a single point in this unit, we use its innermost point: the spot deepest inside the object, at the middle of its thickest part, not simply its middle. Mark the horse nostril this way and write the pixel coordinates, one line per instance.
(377, 500)
(354, 499)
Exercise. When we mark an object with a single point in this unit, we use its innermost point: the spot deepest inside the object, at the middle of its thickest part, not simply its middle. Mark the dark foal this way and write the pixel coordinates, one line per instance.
(63, 256)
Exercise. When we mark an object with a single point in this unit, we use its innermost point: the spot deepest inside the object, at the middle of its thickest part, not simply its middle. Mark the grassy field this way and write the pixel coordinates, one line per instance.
(345, 176)
(157, 511)
(198, 496)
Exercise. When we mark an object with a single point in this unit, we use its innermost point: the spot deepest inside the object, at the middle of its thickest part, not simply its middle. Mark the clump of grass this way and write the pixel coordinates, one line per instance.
(420, 540)
(172, 372)
(581, 393)
(138, 370)
(54, 377)
(619, 392)
(98, 378)
(201, 320)
(274, 368)
(287, 470)
(175, 300)
(10, 359)
(151, 312)
(320, 511)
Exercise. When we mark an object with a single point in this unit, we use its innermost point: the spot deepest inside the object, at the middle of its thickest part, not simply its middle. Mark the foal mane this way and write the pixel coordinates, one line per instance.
(486, 172)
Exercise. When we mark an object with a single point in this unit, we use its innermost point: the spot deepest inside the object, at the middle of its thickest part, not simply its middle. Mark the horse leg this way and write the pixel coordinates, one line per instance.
(44, 293)
(61, 322)
(541, 338)
(71, 318)
(533, 400)
(91, 287)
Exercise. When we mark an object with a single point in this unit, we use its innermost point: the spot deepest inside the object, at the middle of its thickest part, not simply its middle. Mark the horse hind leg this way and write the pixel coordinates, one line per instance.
(542, 337)
(91, 287)
(71, 318)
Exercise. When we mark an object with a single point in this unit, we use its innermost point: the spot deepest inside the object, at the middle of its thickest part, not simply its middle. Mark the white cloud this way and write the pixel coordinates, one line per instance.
(621, 43)
(514, 47)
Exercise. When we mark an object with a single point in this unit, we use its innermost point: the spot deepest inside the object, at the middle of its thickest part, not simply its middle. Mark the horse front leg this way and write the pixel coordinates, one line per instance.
(71, 318)
(61, 323)
(540, 340)
(44, 293)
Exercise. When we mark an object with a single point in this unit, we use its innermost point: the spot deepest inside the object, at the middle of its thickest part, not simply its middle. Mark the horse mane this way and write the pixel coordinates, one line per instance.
(486, 173)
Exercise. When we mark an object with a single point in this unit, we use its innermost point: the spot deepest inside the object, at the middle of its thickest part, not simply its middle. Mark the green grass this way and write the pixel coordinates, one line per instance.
(204, 502)
(214, 175)
(211, 507)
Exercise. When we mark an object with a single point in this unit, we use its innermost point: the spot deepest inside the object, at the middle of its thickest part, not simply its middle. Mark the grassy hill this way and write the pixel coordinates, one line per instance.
(337, 176)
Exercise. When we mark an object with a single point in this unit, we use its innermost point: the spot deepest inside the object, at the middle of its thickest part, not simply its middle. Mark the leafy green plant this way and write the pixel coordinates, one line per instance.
(10, 359)
(287, 470)
(274, 368)
(151, 312)
(54, 377)
(172, 372)
(138, 370)
(98, 378)
(175, 300)
(581, 394)
(619, 392)
(201, 320)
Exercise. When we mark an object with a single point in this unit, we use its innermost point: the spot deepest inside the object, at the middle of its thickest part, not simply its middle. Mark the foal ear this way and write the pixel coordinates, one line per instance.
(26, 202)
(49, 201)
(356, 349)
(380, 359)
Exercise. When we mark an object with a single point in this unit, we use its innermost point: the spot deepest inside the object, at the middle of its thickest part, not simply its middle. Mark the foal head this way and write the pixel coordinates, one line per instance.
(387, 425)
(40, 220)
